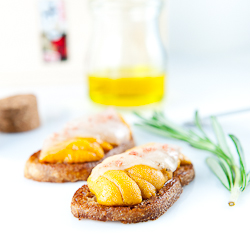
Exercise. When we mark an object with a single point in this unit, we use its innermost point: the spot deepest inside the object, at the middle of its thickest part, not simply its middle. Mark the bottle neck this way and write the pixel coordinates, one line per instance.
(130, 8)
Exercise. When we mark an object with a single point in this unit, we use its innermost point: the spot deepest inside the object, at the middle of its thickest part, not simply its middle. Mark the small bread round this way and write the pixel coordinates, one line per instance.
(18, 113)
(66, 172)
(84, 205)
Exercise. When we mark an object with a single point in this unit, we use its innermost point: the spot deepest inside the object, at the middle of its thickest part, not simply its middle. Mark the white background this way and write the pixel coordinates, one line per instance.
(218, 29)
(209, 62)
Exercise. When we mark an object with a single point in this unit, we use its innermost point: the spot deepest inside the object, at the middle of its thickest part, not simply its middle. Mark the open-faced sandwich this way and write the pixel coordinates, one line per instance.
(135, 186)
(71, 154)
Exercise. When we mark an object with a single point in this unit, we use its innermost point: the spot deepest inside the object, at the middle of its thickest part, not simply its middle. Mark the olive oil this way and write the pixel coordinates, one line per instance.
(127, 87)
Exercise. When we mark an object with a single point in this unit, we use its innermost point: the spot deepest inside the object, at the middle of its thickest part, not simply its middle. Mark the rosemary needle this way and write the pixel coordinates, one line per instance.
(232, 175)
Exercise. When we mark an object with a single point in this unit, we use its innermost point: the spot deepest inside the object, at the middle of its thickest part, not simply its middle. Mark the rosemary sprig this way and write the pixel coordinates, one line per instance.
(232, 175)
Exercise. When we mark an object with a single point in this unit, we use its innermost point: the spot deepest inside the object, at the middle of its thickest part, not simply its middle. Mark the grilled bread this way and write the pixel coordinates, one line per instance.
(66, 172)
(135, 186)
(85, 206)
(71, 154)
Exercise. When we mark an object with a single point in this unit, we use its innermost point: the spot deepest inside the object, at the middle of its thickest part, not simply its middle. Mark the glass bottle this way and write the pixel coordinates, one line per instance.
(127, 59)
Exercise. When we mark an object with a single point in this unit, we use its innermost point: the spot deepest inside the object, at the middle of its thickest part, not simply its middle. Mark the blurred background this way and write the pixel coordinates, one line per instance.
(207, 44)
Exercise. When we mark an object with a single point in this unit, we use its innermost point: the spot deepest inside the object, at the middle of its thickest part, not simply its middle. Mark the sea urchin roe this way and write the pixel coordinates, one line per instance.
(137, 174)
(157, 155)
(77, 150)
(95, 134)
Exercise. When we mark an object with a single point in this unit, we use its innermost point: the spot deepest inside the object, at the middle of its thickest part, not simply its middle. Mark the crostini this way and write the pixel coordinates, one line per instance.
(135, 186)
(71, 154)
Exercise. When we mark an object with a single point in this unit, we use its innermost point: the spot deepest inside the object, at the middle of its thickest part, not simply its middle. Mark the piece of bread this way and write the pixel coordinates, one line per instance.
(66, 172)
(18, 113)
(84, 205)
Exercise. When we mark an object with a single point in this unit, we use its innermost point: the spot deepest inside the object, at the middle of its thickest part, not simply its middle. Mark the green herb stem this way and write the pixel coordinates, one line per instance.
(232, 176)
(235, 192)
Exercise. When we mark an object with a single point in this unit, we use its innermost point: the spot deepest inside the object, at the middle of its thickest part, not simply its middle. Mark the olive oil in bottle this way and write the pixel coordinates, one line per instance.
(126, 56)
(127, 87)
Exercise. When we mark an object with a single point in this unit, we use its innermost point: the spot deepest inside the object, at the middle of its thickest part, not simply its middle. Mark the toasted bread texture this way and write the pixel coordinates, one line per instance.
(84, 205)
(66, 172)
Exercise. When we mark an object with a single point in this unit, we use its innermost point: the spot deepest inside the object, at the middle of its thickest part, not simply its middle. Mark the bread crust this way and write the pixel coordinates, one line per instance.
(185, 174)
(84, 205)
(66, 172)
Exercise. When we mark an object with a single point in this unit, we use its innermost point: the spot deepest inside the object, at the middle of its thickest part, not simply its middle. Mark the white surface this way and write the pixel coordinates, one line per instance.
(37, 215)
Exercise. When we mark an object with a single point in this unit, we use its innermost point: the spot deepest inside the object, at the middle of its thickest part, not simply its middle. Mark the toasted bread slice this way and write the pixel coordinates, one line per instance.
(66, 172)
(84, 205)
